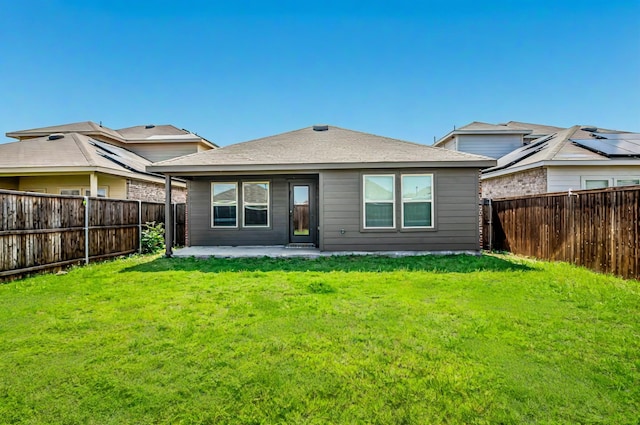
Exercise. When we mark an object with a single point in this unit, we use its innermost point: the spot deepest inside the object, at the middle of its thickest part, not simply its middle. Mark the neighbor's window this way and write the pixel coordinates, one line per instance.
(596, 184)
(102, 192)
(255, 196)
(379, 201)
(627, 182)
(417, 200)
(224, 204)
(70, 192)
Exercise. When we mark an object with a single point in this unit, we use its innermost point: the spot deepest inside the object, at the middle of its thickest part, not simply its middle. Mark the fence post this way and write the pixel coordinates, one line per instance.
(86, 229)
(168, 225)
(490, 225)
(140, 226)
(175, 223)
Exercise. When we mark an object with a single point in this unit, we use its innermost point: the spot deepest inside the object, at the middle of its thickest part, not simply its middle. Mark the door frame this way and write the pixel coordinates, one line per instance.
(313, 212)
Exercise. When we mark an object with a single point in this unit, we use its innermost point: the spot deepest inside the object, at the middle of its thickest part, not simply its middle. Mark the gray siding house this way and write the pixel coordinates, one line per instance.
(333, 188)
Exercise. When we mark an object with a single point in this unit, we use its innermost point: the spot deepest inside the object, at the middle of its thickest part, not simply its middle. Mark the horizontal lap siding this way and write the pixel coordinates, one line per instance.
(456, 214)
(199, 210)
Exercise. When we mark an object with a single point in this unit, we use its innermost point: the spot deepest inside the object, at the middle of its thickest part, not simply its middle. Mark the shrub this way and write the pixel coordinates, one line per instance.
(152, 238)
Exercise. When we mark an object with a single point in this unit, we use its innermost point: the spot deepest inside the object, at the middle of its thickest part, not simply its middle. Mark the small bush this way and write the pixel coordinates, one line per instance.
(152, 238)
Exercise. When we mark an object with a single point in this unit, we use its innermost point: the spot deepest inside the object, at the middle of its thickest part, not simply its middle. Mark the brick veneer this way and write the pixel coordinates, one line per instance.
(530, 182)
(153, 192)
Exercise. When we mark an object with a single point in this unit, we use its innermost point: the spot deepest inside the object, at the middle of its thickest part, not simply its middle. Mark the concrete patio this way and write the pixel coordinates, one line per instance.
(281, 251)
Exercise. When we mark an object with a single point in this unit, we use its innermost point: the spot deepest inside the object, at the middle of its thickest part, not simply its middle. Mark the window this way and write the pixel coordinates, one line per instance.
(627, 181)
(102, 192)
(255, 197)
(379, 202)
(417, 200)
(224, 204)
(596, 184)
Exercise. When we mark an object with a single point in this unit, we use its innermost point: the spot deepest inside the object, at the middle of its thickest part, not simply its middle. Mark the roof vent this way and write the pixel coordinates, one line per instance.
(55, 136)
(320, 127)
(589, 129)
(149, 126)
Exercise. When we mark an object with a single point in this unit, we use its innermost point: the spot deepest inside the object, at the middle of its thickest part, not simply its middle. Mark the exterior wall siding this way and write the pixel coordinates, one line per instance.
(153, 192)
(491, 145)
(199, 215)
(159, 152)
(456, 214)
(53, 184)
(561, 179)
(529, 182)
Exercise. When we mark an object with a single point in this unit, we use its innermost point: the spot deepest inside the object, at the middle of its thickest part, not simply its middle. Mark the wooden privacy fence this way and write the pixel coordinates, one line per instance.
(40, 232)
(598, 229)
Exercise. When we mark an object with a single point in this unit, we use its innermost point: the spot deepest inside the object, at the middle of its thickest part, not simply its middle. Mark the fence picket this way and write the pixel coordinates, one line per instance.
(40, 231)
(597, 229)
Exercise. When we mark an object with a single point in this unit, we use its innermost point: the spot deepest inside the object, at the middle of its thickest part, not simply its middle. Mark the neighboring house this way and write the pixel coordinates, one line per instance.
(89, 159)
(549, 159)
(333, 188)
(493, 140)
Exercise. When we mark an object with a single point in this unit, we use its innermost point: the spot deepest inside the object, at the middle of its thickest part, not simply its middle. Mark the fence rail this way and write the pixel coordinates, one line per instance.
(40, 232)
(598, 229)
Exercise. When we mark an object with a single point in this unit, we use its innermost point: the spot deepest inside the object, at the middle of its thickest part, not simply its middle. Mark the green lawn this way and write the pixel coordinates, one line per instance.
(419, 340)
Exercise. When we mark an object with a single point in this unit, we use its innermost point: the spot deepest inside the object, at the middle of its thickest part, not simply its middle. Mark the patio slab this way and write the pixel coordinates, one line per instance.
(281, 251)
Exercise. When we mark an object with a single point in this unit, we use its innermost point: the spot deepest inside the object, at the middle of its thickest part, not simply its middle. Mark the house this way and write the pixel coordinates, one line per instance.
(493, 140)
(535, 159)
(571, 159)
(89, 159)
(333, 188)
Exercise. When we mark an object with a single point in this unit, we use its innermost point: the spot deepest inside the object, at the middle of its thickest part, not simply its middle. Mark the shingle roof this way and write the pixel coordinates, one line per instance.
(307, 147)
(85, 127)
(74, 150)
(539, 129)
(483, 126)
(556, 147)
(144, 131)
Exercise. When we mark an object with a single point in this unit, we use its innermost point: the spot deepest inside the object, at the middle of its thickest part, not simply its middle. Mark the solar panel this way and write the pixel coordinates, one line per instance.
(120, 156)
(611, 147)
(521, 153)
(615, 136)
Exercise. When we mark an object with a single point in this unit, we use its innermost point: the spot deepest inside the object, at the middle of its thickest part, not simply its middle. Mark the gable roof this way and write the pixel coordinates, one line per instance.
(73, 152)
(307, 148)
(558, 148)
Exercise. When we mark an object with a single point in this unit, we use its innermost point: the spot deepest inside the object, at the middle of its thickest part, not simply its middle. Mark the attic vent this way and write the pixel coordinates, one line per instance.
(320, 127)
(56, 136)
(149, 126)
(589, 129)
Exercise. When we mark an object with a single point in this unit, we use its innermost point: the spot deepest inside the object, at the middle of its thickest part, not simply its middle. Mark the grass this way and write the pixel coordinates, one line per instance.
(458, 339)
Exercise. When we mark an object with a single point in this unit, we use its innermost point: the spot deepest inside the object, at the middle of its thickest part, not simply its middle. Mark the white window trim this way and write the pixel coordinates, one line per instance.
(246, 204)
(213, 226)
(584, 179)
(402, 201)
(616, 179)
(83, 190)
(364, 201)
(70, 188)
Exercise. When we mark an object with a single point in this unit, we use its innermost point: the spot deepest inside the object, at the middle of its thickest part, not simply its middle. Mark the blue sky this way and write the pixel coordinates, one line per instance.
(237, 70)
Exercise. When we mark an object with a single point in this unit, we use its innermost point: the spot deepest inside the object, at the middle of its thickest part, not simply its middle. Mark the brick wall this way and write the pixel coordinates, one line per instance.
(153, 192)
(529, 182)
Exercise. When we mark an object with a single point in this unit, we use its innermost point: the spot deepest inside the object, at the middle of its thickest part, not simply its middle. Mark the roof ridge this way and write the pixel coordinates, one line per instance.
(83, 149)
(569, 132)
